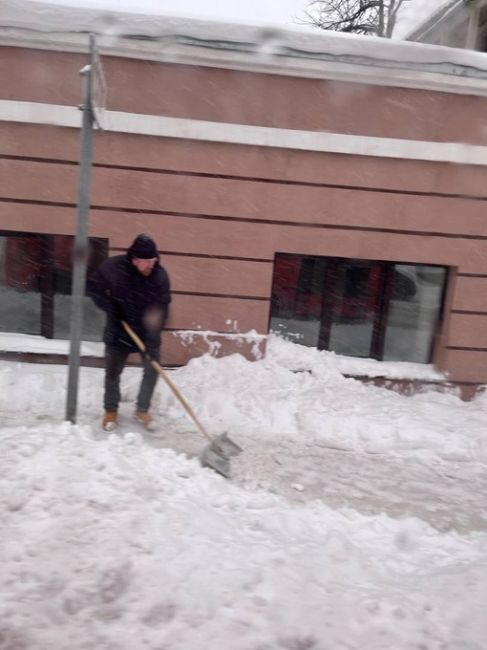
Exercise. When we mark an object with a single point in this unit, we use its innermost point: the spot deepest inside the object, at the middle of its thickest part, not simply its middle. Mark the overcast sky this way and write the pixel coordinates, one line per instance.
(279, 12)
(272, 11)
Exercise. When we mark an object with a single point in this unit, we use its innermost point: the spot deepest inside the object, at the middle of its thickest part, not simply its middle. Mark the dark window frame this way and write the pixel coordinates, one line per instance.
(385, 293)
(47, 272)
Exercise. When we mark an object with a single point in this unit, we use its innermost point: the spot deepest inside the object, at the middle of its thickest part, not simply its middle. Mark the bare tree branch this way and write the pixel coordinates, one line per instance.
(377, 17)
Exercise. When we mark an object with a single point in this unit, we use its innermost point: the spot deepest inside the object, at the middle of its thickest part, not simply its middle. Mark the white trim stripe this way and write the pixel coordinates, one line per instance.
(243, 134)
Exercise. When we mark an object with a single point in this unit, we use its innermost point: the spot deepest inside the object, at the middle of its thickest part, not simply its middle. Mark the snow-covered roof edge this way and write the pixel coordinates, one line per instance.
(293, 51)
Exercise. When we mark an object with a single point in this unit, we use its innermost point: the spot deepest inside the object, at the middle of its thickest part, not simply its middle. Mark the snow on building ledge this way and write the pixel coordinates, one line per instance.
(31, 344)
(295, 51)
(291, 355)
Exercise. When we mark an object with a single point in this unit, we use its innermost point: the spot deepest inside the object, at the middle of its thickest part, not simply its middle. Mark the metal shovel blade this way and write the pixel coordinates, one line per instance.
(223, 446)
(210, 458)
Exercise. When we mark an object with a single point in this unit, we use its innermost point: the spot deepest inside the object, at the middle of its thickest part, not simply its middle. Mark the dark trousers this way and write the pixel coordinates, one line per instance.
(115, 361)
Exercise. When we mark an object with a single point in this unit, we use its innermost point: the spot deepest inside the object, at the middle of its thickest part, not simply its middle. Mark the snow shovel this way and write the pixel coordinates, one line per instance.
(220, 449)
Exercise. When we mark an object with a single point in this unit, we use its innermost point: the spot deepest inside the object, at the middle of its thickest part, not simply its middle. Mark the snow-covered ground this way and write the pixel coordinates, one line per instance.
(355, 518)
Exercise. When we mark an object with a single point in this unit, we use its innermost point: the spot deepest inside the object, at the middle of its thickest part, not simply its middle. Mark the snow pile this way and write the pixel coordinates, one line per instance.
(124, 542)
(320, 407)
(114, 545)
(300, 357)
(295, 393)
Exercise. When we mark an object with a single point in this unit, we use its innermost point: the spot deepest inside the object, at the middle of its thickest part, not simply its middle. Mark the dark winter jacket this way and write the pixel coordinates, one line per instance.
(123, 293)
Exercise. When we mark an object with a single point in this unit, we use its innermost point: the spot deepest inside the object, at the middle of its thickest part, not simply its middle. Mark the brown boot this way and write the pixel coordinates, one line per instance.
(145, 419)
(109, 421)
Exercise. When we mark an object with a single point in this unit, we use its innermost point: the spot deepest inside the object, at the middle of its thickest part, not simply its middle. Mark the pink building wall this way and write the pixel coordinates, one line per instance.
(220, 212)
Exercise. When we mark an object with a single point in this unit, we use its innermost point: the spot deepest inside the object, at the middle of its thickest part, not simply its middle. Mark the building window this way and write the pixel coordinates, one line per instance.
(35, 284)
(382, 310)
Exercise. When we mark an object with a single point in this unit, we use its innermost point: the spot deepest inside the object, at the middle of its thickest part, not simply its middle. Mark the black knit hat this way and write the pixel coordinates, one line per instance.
(143, 247)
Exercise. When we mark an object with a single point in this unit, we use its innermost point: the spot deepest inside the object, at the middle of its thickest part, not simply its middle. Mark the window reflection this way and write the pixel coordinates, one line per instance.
(297, 297)
(354, 293)
(360, 308)
(414, 311)
(35, 285)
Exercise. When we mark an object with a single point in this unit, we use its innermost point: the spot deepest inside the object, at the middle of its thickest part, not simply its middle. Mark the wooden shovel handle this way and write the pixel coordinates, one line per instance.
(141, 345)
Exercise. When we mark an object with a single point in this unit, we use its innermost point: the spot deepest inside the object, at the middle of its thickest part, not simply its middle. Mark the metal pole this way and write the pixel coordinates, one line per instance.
(80, 252)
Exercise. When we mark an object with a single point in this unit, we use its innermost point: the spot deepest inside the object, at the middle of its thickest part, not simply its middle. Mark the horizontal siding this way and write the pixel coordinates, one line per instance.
(261, 241)
(468, 331)
(217, 276)
(38, 218)
(249, 239)
(470, 294)
(246, 97)
(186, 195)
(48, 76)
(218, 314)
(33, 140)
(38, 181)
(57, 143)
(285, 203)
